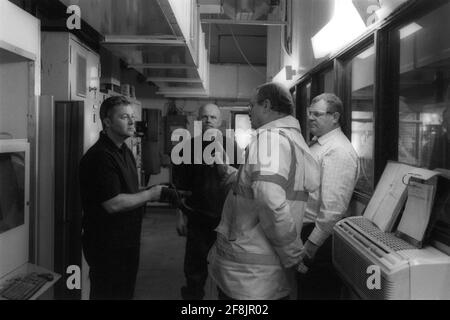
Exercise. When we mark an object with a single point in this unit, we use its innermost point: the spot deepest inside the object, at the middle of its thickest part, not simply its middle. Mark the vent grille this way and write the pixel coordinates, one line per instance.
(353, 267)
(388, 239)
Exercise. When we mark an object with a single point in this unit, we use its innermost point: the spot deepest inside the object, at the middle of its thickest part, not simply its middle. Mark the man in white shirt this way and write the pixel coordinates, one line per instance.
(339, 172)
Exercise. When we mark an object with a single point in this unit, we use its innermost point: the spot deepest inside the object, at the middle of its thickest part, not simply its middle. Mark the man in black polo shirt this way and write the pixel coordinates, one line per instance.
(113, 205)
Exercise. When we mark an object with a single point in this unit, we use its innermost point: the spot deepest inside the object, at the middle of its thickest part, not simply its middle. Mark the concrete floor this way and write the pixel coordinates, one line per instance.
(160, 274)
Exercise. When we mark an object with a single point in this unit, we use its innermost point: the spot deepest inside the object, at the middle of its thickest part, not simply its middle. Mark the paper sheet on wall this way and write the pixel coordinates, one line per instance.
(389, 196)
(418, 208)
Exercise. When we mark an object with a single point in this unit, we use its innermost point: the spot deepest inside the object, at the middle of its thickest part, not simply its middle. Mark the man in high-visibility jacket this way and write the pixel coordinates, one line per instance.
(258, 246)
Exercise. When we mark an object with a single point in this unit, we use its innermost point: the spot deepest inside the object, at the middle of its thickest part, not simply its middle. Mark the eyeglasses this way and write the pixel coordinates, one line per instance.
(318, 114)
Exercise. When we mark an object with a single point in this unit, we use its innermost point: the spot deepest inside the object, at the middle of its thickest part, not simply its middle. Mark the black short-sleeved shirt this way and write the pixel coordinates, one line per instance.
(105, 172)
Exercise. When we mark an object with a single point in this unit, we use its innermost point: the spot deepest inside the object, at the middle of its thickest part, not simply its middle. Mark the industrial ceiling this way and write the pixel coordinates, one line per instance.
(149, 36)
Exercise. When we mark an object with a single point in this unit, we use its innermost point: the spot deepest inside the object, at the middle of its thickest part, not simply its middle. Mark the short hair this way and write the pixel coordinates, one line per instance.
(200, 110)
(334, 104)
(110, 103)
(278, 95)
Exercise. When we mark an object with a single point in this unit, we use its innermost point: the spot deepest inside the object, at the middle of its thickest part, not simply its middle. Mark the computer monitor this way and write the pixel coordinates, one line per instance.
(14, 204)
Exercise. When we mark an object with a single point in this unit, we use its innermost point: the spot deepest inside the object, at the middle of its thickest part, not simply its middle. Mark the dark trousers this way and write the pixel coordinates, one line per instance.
(113, 274)
(321, 282)
(200, 238)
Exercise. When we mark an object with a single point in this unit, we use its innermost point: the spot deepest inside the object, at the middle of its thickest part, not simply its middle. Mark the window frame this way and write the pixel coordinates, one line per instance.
(301, 105)
(390, 66)
(343, 68)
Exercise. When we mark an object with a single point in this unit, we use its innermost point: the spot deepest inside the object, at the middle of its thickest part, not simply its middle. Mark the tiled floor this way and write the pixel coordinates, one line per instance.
(160, 273)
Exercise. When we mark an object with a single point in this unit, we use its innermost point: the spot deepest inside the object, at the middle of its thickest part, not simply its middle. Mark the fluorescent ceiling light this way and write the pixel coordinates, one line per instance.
(344, 27)
(409, 30)
(367, 53)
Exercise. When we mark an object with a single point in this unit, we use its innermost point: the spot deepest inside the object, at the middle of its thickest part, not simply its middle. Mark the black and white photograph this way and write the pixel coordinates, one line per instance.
(234, 157)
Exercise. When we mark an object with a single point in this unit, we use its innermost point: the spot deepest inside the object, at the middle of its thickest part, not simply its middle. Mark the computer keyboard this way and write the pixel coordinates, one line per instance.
(23, 288)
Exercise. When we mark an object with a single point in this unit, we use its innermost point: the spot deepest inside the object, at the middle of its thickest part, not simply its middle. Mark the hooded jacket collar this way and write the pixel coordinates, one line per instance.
(285, 122)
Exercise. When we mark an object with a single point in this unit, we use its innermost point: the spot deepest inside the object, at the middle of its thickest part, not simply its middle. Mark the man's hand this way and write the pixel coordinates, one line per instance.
(171, 196)
(307, 255)
(154, 193)
(301, 265)
(310, 249)
(182, 221)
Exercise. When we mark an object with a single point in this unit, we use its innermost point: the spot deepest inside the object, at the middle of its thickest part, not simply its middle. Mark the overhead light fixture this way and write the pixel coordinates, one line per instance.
(344, 27)
(409, 30)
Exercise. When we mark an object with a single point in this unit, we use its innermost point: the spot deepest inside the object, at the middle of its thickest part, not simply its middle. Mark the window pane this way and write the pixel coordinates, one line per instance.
(363, 77)
(424, 91)
(243, 130)
(326, 81)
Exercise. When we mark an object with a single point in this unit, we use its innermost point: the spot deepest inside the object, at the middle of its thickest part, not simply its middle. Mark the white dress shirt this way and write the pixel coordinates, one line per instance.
(339, 166)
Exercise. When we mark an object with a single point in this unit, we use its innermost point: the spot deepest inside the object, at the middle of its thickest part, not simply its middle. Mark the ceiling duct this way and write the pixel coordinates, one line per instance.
(246, 9)
(161, 39)
(255, 12)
